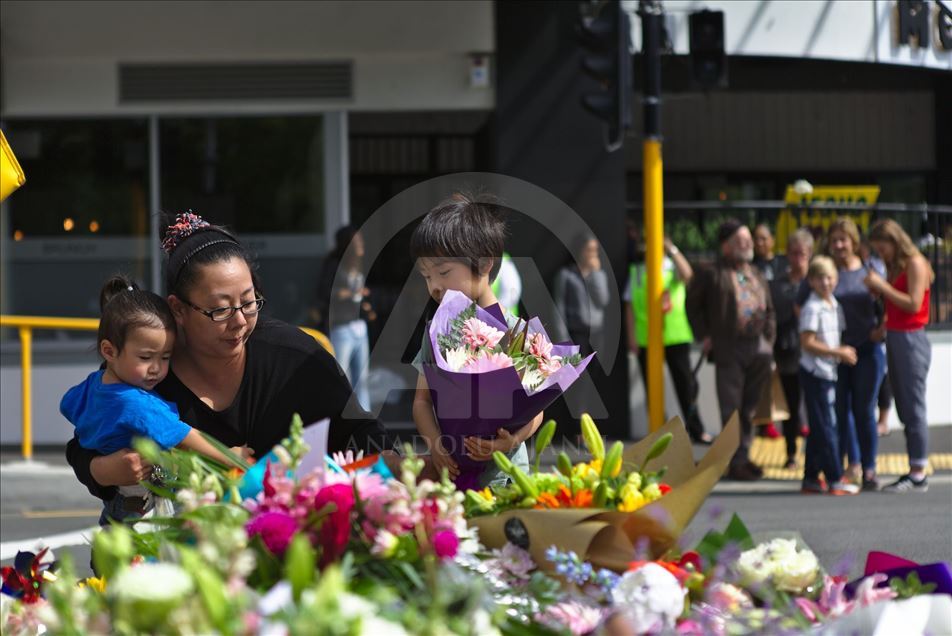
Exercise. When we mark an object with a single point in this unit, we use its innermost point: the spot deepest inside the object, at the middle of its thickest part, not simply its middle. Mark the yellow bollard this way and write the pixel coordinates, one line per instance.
(654, 242)
(26, 369)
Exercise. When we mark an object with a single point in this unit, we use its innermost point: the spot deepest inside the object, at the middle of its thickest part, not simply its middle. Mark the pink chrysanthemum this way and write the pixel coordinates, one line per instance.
(488, 362)
(478, 334)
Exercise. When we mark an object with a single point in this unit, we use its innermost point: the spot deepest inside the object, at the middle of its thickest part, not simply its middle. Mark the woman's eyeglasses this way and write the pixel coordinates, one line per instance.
(221, 314)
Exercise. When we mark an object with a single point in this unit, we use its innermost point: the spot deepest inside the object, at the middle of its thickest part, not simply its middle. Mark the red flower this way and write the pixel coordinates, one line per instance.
(335, 529)
(664, 488)
(691, 558)
(275, 530)
(679, 573)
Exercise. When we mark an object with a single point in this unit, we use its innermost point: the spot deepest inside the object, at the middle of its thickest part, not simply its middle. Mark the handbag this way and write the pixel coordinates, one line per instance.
(773, 403)
(11, 174)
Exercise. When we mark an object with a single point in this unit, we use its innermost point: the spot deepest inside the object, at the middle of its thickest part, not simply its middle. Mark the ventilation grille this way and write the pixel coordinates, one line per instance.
(289, 80)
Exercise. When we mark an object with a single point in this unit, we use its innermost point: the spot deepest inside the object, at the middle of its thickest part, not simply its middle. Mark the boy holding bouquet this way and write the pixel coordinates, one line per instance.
(458, 246)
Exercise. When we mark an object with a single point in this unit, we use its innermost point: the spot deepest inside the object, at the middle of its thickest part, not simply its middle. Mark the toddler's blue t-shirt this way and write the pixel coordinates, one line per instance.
(108, 416)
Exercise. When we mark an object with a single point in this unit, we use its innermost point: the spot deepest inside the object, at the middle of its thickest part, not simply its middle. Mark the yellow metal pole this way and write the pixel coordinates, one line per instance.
(654, 240)
(26, 400)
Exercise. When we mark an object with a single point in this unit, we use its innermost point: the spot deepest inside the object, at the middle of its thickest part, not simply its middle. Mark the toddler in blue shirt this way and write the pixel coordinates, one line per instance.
(118, 403)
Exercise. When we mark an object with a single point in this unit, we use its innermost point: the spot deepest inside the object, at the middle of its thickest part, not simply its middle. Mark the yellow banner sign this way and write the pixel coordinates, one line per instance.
(801, 215)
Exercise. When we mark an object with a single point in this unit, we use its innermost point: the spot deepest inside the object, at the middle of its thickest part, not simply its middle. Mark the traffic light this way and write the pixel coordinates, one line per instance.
(708, 59)
(606, 38)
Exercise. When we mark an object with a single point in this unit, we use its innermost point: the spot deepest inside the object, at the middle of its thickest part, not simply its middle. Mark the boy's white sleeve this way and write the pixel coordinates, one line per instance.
(809, 318)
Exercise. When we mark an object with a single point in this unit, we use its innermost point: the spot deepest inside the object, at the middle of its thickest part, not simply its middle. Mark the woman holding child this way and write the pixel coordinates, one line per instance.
(234, 375)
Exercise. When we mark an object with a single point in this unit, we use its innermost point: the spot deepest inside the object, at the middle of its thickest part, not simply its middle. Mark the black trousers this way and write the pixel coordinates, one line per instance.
(791, 427)
(678, 358)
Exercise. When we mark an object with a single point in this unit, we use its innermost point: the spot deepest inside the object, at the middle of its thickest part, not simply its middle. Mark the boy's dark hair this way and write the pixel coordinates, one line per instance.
(467, 228)
(124, 307)
(191, 243)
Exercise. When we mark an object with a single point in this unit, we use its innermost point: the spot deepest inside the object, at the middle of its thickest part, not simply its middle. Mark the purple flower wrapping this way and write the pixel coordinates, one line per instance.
(478, 404)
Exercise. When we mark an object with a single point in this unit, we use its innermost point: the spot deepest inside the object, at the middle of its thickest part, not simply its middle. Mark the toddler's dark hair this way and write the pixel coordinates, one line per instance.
(465, 227)
(124, 307)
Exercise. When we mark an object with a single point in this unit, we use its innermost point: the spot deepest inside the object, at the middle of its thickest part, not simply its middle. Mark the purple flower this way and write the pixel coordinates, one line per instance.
(445, 544)
(275, 530)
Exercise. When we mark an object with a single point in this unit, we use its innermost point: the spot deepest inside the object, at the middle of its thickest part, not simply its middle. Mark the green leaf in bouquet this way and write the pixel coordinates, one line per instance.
(735, 533)
(211, 588)
(112, 550)
(300, 564)
(911, 586)
(267, 570)
(542, 441)
(237, 460)
(658, 448)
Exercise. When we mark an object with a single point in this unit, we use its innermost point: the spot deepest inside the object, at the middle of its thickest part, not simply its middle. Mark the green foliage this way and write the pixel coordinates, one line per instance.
(713, 542)
(453, 338)
(911, 586)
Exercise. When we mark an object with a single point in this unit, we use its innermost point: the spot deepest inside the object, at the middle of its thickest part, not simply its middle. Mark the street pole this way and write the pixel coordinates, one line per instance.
(651, 26)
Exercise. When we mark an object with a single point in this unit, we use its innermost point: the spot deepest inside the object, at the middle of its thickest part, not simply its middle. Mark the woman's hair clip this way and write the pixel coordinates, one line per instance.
(184, 226)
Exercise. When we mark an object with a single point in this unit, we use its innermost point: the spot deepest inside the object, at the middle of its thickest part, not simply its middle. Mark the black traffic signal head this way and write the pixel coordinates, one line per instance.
(606, 40)
(708, 59)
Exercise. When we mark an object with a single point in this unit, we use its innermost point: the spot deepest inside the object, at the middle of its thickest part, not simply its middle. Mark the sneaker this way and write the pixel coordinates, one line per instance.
(841, 488)
(742, 473)
(853, 474)
(769, 431)
(704, 439)
(870, 484)
(907, 484)
(754, 468)
(813, 487)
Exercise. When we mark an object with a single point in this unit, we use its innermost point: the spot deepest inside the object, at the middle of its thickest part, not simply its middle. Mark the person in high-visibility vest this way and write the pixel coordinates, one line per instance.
(508, 285)
(677, 336)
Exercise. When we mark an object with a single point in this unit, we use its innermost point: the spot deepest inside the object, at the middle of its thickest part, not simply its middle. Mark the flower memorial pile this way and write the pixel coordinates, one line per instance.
(349, 549)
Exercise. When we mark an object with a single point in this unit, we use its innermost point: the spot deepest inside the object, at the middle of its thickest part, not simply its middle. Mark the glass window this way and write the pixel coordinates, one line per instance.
(263, 177)
(255, 174)
(82, 215)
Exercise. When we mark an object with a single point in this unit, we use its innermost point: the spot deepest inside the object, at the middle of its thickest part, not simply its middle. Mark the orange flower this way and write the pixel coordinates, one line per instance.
(234, 473)
(680, 573)
(565, 499)
(546, 500)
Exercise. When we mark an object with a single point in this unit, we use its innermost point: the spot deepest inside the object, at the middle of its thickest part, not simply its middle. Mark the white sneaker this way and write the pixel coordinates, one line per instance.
(841, 488)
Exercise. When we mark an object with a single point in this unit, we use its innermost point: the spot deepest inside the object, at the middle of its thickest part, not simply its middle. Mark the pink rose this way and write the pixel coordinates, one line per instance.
(275, 530)
(335, 529)
(445, 544)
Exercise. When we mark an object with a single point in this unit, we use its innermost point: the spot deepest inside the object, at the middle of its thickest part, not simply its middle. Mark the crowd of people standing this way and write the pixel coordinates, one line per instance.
(827, 324)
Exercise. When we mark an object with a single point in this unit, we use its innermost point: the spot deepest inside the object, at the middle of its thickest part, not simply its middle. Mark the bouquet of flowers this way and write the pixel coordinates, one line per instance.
(486, 376)
(606, 481)
(602, 508)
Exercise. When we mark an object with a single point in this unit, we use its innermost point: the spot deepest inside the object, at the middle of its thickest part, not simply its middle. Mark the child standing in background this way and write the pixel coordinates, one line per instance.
(115, 404)
(458, 246)
(821, 325)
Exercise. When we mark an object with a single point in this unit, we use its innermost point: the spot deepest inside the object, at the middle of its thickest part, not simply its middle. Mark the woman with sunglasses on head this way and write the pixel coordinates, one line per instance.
(235, 374)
